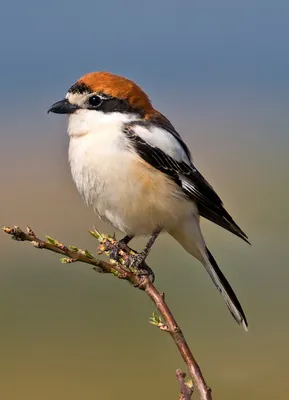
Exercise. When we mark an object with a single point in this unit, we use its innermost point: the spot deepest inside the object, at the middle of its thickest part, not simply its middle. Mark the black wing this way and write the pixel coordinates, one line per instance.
(193, 184)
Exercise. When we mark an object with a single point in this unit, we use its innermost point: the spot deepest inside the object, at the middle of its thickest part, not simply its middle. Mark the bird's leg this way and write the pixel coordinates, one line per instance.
(120, 245)
(137, 261)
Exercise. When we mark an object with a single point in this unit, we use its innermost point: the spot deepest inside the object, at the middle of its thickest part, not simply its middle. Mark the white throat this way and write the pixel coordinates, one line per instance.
(83, 122)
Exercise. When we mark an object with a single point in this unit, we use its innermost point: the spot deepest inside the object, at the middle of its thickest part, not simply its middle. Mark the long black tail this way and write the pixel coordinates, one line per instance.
(226, 291)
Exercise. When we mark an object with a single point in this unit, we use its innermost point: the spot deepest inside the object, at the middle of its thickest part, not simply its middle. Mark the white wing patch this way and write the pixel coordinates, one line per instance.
(164, 140)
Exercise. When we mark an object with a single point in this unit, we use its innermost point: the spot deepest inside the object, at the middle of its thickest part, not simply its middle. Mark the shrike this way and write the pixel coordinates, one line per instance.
(133, 168)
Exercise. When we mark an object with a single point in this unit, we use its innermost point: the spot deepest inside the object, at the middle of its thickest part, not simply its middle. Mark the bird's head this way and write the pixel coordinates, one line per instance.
(102, 98)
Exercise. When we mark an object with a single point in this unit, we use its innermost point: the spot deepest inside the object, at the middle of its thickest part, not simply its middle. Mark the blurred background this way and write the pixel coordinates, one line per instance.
(219, 71)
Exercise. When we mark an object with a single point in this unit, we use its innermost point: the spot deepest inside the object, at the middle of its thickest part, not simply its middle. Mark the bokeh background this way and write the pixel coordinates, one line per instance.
(219, 70)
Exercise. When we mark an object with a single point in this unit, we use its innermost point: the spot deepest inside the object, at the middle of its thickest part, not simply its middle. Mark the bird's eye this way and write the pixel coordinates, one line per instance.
(95, 101)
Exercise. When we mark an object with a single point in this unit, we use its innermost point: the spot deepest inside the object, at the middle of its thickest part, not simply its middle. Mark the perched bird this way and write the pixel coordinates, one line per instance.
(133, 168)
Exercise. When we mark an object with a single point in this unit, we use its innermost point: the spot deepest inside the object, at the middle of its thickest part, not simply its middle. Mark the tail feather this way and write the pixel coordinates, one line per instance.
(226, 291)
(189, 235)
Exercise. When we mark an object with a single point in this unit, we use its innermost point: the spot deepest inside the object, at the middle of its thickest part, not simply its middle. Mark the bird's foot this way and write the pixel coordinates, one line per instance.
(136, 263)
(116, 250)
(119, 247)
(137, 260)
(133, 262)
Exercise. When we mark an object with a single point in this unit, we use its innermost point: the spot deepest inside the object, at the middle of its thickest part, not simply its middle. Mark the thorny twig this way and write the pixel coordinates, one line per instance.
(142, 281)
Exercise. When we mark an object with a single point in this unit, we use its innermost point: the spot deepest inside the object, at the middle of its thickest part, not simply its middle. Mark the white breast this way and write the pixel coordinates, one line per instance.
(98, 162)
(120, 187)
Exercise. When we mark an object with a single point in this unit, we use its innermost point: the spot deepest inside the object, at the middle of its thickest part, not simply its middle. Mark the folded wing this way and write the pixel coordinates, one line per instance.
(165, 151)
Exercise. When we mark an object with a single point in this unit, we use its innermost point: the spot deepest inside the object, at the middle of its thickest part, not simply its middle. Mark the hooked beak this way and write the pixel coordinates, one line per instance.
(63, 107)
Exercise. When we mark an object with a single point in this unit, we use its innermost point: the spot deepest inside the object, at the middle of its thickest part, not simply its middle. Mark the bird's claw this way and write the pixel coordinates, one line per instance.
(133, 262)
(136, 263)
(115, 250)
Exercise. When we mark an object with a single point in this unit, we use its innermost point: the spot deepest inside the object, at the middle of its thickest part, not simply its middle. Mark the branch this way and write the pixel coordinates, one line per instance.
(187, 388)
(140, 279)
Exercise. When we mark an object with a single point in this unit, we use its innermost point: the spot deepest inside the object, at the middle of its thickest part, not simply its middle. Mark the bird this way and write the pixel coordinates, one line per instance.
(132, 167)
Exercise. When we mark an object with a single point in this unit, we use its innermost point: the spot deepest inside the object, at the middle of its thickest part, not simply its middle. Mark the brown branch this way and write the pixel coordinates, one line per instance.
(140, 280)
(180, 341)
(187, 388)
